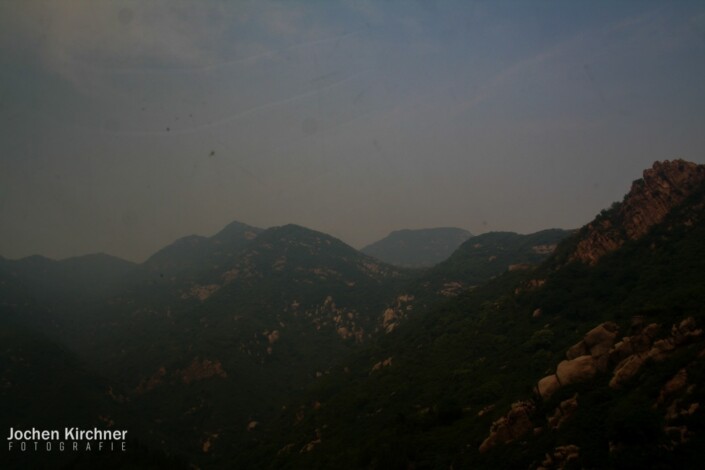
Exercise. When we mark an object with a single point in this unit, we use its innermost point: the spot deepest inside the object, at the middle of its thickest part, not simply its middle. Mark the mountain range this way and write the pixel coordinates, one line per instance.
(286, 348)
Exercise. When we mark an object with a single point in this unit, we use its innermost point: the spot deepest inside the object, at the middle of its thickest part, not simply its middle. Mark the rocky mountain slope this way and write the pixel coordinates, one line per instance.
(45, 386)
(663, 186)
(286, 348)
(475, 262)
(583, 362)
(245, 319)
(417, 248)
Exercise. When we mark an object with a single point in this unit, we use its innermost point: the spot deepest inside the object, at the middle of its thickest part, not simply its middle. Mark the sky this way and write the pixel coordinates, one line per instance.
(127, 125)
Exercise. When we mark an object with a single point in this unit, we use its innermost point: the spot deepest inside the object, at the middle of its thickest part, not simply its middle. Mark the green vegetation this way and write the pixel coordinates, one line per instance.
(273, 349)
(457, 369)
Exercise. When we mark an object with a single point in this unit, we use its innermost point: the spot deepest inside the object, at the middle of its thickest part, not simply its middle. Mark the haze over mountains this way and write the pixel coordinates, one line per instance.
(417, 248)
(285, 347)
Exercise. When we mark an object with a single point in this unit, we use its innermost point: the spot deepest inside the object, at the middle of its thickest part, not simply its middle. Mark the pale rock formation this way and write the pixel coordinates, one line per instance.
(564, 411)
(676, 384)
(201, 369)
(561, 456)
(580, 369)
(385, 363)
(514, 425)
(650, 199)
(548, 386)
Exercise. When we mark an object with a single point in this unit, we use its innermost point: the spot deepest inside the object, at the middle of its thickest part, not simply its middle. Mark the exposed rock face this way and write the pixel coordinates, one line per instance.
(200, 369)
(514, 425)
(201, 292)
(596, 343)
(385, 363)
(627, 369)
(393, 316)
(152, 382)
(563, 412)
(643, 348)
(208, 442)
(676, 384)
(561, 456)
(544, 249)
(597, 353)
(600, 339)
(662, 188)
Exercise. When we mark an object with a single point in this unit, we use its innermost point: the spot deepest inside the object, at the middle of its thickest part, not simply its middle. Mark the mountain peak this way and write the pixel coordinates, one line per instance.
(664, 186)
(297, 234)
(236, 229)
(417, 248)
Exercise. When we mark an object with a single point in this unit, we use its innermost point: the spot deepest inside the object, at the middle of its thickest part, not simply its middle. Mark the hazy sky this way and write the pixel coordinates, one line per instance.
(126, 125)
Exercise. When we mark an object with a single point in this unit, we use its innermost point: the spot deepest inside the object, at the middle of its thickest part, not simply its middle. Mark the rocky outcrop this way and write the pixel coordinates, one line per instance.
(580, 369)
(664, 186)
(677, 400)
(644, 347)
(560, 457)
(600, 339)
(379, 365)
(584, 360)
(207, 443)
(393, 316)
(515, 424)
(673, 386)
(152, 382)
(201, 292)
(598, 353)
(564, 411)
(547, 386)
(200, 369)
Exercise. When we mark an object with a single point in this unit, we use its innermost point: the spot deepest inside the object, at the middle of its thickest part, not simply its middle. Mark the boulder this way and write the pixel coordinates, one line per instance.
(627, 369)
(600, 339)
(561, 456)
(547, 386)
(580, 369)
(685, 330)
(563, 412)
(677, 383)
(576, 350)
(514, 425)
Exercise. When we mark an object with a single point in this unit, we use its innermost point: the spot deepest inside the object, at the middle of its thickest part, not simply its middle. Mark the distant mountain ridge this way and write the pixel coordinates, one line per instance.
(186, 253)
(490, 254)
(417, 248)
